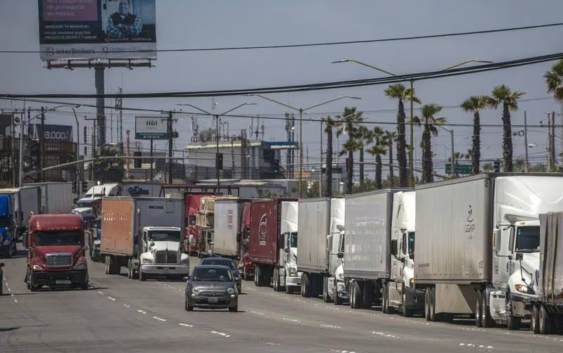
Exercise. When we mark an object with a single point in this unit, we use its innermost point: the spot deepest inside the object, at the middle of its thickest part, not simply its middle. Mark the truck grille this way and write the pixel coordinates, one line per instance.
(162, 258)
(211, 294)
(58, 260)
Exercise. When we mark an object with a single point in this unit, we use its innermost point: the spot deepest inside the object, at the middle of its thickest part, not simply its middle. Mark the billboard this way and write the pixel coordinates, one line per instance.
(151, 128)
(97, 29)
(54, 132)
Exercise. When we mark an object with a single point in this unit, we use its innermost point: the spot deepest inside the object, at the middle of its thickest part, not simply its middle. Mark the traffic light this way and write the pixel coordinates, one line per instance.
(84, 186)
(138, 164)
(219, 161)
(74, 187)
(496, 165)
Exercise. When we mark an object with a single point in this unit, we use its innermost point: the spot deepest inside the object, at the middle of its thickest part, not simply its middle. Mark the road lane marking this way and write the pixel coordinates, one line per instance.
(127, 305)
(141, 311)
(257, 313)
(331, 326)
(186, 325)
(158, 318)
(100, 293)
(110, 298)
(220, 334)
(288, 319)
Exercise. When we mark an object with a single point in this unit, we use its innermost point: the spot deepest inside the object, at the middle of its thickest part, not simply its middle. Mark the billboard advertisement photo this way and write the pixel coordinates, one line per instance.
(97, 29)
(151, 128)
(53, 132)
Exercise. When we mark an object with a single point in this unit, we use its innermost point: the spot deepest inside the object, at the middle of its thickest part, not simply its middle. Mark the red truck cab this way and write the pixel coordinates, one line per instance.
(56, 253)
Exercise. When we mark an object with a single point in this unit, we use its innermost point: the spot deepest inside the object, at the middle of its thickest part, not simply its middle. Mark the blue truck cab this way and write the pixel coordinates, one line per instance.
(7, 227)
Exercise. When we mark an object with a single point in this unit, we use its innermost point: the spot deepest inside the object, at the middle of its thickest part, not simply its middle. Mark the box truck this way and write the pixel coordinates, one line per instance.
(315, 258)
(477, 246)
(145, 235)
(56, 198)
(270, 248)
(18, 204)
(547, 307)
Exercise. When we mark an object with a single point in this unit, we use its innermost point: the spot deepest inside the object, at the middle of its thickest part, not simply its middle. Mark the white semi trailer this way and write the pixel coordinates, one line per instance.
(334, 289)
(477, 245)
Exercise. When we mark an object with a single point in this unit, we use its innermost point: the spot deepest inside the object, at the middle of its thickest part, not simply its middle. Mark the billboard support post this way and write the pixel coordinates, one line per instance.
(100, 113)
(152, 162)
(42, 141)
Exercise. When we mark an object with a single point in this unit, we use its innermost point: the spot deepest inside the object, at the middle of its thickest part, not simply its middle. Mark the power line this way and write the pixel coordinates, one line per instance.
(315, 86)
(283, 46)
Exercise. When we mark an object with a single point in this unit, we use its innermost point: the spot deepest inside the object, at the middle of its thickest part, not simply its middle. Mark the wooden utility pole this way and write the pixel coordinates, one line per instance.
(42, 142)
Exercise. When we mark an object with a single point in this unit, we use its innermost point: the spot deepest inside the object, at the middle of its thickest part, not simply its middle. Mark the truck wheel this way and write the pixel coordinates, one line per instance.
(486, 319)
(257, 276)
(326, 296)
(512, 323)
(337, 300)
(479, 310)
(388, 306)
(357, 298)
(142, 277)
(544, 321)
(406, 311)
(106, 264)
(534, 319)
(427, 304)
(84, 286)
(305, 286)
(433, 316)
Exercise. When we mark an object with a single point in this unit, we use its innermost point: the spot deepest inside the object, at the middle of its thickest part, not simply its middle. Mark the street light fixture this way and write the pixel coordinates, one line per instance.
(411, 159)
(216, 116)
(301, 110)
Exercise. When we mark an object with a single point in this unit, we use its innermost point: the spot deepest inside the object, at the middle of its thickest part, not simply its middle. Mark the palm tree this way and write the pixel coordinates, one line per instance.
(364, 137)
(389, 137)
(401, 93)
(329, 126)
(475, 104)
(503, 95)
(350, 120)
(554, 79)
(377, 150)
(519, 165)
(488, 167)
(430, 123)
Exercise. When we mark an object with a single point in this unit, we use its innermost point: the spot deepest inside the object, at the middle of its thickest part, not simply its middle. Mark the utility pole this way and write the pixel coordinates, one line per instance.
(526, 141)
(42, 141)
(100, 110)
(152, 161)
(549, 165)
(170, 139)
(218, 157)
(20, 164)
(13, 151)
(321, 166)
(553, 158)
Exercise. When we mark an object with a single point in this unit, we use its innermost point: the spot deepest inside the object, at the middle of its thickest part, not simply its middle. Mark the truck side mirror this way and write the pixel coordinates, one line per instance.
(497, 240)
(286, 249)
(340, 255)
(394, 247)
(519, 256)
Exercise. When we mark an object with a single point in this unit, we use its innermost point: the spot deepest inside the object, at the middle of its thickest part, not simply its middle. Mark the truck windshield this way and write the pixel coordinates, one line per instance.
(411, 243)
(163, 235)
(528, 239)
(293, 240)
(57, 238)
(84, 203)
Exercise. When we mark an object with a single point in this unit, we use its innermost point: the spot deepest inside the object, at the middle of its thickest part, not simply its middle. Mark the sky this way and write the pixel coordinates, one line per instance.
(221, 23)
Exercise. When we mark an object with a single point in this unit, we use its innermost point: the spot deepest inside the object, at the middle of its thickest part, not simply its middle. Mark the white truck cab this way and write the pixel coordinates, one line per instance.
(290, 278)
(336, 289)
(162, 253)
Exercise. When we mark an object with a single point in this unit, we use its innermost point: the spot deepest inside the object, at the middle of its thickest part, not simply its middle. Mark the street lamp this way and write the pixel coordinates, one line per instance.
(20, 167)
(216, 116)
(411, 159)
(301, 110)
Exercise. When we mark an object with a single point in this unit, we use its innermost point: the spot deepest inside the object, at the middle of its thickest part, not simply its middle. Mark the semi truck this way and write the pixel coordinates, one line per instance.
(477, 246)
(56, 255)
(334, 288)
(56, 198)
(145, 235)
(246, 267)
(547, 306)
(19, 204)
(375, 272)
(226, 242)
(314, 255)
(270, 248)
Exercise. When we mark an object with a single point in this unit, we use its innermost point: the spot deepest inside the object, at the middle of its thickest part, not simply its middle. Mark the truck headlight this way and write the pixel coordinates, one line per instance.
(412, 281)
(195, 290)
(147, 261)
(37, 267)
(293, 271)
(524, 289)
(81, 266)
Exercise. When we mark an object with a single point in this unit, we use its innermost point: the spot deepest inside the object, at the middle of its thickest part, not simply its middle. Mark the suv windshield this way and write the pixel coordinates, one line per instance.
(528, 239)
(212, 275)
(229, 263)
(57, 238)
(164, 235)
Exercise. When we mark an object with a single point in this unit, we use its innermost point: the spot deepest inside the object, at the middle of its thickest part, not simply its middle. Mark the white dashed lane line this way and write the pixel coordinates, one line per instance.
(220, 334)
(127, 305)
(185, 325)
(257, 313)
(292, 320)
(382, 334)
(141, 311)
(331, 326)
(158, 318)
(112, 299)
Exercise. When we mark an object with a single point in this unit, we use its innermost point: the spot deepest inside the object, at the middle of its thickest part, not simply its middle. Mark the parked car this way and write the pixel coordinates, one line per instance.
(211, 287)
(222, 261)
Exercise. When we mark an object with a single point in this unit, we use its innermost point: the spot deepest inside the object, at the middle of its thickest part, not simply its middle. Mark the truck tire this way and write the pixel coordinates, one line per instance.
(337, 299)
(326, 296)
(512, 323)
(486, 320)
(389, 307)
(356, 300)
(479, 310)
(545, 321)
(142, 277)
(305, 286)
(433, 316)
(534, 319)
(406, 311)
(257, 276)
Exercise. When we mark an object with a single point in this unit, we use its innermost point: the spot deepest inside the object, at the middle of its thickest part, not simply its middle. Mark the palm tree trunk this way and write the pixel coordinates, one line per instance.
(507, 143)
(391, 169)
(401, 145)
(350, 164)
(378, 183)
(426, 156)
(476, 152)
(362, 169)
(328, 188)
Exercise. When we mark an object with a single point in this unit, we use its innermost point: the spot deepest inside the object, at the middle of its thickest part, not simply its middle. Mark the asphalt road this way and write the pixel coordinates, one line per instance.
(119, 314)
